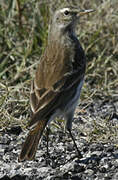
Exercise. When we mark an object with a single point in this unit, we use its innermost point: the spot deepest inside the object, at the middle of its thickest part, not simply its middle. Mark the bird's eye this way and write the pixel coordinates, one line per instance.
(66, 12)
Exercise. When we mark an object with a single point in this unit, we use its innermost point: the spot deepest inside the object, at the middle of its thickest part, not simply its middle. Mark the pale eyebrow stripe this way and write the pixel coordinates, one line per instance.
(64, 9)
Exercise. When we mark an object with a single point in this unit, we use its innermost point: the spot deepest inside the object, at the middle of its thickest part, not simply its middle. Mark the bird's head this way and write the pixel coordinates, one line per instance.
(67, 17)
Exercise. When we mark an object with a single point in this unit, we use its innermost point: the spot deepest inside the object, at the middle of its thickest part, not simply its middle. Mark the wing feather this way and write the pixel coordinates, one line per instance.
(49, 94)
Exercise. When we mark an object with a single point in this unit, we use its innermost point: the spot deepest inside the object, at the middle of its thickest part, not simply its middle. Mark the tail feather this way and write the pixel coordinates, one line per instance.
(31, 143)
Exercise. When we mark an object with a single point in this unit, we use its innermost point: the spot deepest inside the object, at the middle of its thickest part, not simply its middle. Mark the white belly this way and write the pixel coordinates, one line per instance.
(73, 103)
(70, 107)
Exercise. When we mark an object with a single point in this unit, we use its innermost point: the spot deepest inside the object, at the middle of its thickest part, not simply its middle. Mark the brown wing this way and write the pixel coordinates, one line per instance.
(55, 76)
(54, 64)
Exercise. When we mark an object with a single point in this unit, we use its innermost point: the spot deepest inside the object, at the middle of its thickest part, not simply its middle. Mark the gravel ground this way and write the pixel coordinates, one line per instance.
(95, 130)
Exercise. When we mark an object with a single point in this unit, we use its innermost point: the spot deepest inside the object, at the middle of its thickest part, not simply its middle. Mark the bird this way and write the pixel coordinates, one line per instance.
(56, 87)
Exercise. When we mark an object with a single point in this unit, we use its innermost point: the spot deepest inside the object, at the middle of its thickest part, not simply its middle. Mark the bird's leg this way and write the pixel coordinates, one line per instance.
(79, 153)
(47, 137)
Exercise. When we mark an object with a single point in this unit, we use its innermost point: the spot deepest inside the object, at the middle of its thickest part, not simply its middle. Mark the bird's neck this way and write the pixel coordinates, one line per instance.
(61, 35)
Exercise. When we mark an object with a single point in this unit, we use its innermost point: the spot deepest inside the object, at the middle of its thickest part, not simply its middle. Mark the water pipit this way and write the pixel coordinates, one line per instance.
(56, 87)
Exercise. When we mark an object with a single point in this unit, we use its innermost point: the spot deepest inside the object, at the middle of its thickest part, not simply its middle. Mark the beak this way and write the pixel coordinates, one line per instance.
(83, 12)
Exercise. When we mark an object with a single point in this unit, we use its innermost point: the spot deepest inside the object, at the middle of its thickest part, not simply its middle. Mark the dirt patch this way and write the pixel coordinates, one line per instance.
(95, 130)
